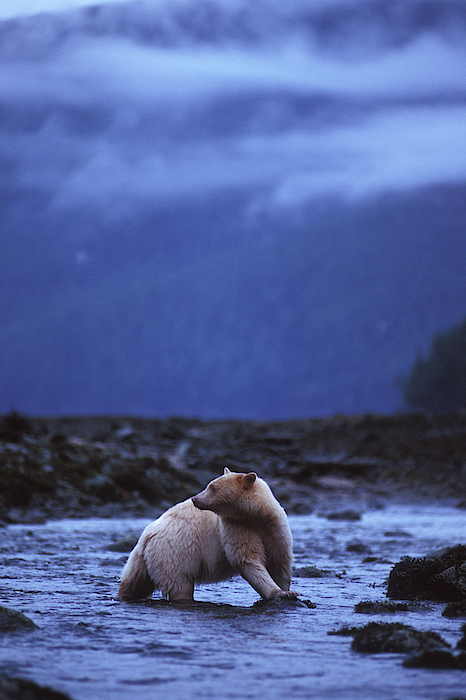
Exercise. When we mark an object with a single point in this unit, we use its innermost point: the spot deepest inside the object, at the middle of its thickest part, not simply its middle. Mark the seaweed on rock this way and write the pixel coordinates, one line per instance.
(440, 578)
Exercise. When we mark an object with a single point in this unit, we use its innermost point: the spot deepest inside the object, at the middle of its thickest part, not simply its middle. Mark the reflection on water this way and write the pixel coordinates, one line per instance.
(92, 646)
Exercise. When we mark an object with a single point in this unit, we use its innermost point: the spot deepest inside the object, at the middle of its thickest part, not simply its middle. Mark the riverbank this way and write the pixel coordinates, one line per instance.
(82, 467)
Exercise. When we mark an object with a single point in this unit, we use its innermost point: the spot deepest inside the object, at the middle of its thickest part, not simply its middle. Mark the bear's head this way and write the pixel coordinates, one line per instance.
(230, 495)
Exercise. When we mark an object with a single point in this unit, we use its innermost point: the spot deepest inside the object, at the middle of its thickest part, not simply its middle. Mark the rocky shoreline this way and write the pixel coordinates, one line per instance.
(114, 466)
(83, 467)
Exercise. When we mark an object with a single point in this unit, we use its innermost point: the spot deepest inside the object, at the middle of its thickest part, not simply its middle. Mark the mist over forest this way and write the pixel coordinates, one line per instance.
(229, 209)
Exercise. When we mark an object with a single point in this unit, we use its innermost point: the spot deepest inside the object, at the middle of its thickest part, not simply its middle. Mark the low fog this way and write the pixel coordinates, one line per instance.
(113, 118)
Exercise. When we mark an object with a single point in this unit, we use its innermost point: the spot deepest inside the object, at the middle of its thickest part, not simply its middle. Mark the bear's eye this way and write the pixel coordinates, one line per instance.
(213, 488)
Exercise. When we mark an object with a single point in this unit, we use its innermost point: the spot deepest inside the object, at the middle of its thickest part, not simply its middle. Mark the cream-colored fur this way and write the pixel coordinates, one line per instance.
(235, 526)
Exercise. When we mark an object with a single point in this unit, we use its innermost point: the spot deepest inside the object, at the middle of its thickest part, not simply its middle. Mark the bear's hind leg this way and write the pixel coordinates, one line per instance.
(181, 592)
(136, 582)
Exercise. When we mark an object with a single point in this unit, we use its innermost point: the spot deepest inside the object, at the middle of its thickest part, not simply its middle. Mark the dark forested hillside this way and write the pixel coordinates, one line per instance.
(186, 312)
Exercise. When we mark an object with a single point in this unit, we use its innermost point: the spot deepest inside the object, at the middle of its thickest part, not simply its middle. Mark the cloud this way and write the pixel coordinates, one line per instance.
(399, 121)
(397, 149)
(17, 8)
(117, 69)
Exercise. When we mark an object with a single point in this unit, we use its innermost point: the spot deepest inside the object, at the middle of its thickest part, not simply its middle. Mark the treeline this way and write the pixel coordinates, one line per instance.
(437, 382)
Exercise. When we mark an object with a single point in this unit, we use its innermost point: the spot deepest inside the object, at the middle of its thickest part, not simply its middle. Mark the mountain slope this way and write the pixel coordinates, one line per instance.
(290, 319)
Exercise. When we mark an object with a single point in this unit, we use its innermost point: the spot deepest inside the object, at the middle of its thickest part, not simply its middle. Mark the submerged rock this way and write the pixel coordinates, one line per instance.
(349, 514)
(393, 637)
(311, 572)
(19, 688)
(434, 578)
(125, 544)
(377, 607)
(14, 621)
(272, 604)
(358, 547)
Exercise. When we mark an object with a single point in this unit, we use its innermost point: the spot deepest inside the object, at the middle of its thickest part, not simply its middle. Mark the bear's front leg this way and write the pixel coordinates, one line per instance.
(257, 575)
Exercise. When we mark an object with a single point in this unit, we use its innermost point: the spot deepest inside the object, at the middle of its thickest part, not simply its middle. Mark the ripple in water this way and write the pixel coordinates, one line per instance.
(224, 646)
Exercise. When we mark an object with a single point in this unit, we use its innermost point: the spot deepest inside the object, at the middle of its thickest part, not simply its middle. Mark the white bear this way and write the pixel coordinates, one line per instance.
(235, 526)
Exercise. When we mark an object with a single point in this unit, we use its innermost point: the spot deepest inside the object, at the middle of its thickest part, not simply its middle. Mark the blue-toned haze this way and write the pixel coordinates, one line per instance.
(217, 208)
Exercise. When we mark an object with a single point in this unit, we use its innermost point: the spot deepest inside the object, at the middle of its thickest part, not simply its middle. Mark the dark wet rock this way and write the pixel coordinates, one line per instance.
(14, 621)
(311, 572)
(348, 514)
(22, 476)
(377, 607)
(358, 548)
(453, 580)
(300, 508)
(317, 468)
(462, 642)
(107, 466)
(57, 439)
(30, 516)
(21, 689)
(440, 578)
(393, 637)
(381, 607)
(457, 609)
(125, 544)
(398, 534)
(75, 476)
(437, 659)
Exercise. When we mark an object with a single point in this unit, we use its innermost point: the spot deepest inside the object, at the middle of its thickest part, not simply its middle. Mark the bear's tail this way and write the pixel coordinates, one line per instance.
(135, 580)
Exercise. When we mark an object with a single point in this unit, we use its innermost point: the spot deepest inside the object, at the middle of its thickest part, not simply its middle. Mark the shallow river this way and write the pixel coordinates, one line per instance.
(92, 646)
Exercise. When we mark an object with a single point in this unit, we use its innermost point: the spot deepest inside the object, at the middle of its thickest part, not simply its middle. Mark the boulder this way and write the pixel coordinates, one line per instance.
(14, 621)
(395, 638)
(21, 689)
(441, 578)
(438, 659)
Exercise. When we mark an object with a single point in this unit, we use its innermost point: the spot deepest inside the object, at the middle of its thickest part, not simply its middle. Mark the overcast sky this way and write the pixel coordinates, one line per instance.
(405, 127)
(13, 8)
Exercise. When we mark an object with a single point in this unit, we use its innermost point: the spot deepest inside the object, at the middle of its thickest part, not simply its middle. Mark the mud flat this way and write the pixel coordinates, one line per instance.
(112, 466)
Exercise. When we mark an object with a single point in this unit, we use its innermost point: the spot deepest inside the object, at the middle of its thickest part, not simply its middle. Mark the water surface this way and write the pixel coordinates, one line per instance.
(92, 646)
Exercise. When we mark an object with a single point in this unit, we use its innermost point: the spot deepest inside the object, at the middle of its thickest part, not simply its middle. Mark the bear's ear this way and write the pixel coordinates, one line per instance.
(249, 479)
(226, 471)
